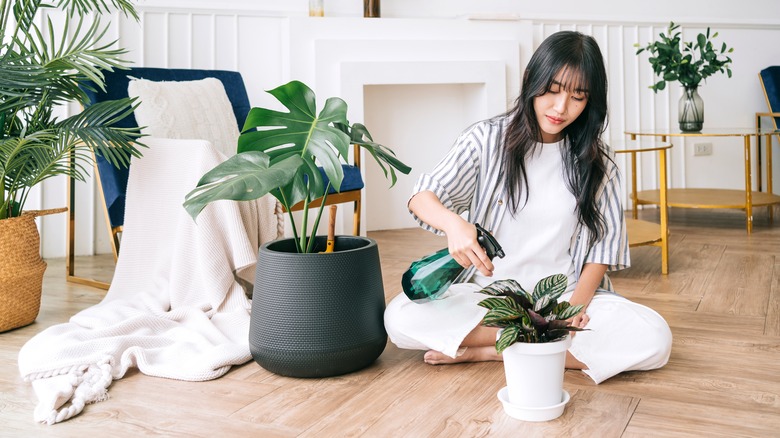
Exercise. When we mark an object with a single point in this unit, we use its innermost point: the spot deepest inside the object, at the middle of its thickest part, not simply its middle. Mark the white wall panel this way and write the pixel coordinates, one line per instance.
(261, 56)
(180, 35)
(203, 48)
(226, 42)
(155, 39)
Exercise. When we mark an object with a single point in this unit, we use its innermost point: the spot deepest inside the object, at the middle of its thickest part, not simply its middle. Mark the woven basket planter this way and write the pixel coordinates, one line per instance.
(318, 315)
(21, 270)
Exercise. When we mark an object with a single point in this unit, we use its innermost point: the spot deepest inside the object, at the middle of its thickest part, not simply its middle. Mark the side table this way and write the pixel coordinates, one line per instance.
(717, 198)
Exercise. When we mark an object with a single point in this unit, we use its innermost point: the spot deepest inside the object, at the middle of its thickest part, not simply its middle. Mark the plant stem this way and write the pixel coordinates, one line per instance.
(288, 207)
(317, 221)
(304, 226)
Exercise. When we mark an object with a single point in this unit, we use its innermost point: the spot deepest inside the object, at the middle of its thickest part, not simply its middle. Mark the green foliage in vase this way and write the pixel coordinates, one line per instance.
(41, 68)
(688, 62)
(279, 153)
(535, 317)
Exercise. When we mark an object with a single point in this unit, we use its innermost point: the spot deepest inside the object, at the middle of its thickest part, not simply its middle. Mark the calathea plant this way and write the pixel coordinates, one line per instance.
(528, 317)
(279, 153)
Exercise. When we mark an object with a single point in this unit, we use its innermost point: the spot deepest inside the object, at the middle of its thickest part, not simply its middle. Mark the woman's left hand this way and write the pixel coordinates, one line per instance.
(580, 320)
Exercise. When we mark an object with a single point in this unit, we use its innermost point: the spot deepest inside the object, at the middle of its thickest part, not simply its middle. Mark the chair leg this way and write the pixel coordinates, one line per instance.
(70, 260)
(356, 219)
(115, 241)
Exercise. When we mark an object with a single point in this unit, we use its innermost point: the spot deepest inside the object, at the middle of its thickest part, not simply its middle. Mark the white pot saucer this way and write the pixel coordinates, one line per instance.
(532, 414)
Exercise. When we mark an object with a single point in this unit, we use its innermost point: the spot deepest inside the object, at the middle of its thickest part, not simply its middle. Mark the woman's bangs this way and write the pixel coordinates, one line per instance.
(572, 79)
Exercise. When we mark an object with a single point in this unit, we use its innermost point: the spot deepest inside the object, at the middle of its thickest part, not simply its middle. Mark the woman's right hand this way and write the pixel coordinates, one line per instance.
(461, 235)
(464, 247)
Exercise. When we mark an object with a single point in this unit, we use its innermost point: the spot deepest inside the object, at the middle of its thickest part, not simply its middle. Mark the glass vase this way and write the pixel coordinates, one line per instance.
(691, 111)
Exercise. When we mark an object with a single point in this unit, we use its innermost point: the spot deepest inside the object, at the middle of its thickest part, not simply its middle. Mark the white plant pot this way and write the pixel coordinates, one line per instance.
(534, 378)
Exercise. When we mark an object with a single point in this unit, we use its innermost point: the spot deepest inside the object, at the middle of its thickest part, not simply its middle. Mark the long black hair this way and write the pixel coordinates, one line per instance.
(585, 160)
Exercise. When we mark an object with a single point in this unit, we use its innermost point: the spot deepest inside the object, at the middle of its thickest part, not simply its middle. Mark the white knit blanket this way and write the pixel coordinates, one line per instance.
(175, 308)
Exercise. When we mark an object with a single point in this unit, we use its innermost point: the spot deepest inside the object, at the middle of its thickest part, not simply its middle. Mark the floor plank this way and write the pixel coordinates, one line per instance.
(740, 285)
(772, 327)
(672, 418)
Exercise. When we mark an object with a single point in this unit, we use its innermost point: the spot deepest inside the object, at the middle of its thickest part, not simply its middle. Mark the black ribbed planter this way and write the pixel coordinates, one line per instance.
(318, 315)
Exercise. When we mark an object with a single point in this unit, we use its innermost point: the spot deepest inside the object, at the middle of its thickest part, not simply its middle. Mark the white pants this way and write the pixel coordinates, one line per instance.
(621, 336)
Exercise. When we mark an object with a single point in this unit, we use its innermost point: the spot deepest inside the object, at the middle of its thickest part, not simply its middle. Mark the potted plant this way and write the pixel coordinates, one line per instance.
(688, 63)
(533, 341)
(38, 74)
(313, 315)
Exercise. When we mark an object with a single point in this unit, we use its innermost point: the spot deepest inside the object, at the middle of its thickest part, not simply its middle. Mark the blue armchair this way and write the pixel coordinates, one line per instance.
(112, 181)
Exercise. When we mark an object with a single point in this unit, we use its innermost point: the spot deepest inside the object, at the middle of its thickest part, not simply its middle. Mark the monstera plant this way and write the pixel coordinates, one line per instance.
(280, 153)
(535, 317)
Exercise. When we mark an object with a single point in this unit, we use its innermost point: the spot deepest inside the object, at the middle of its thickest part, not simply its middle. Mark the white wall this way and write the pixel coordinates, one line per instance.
(255, 38)
(431, 116)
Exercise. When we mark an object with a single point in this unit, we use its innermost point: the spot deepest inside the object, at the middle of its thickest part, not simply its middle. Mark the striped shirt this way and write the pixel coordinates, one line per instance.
(470, 179)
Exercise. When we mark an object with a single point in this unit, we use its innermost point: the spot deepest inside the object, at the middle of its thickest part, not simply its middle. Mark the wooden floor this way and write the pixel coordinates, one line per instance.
(721, 298)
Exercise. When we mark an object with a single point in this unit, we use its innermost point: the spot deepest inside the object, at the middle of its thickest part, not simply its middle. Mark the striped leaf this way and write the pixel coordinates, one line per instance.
(553, 286)
(565, 310)
(500, 315)
(503, 288)
(508, 337)
(541, 303)
(494, 303)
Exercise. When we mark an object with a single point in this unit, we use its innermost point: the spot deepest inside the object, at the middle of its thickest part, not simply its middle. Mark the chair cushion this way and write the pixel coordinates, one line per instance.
(117, 81)
(197, 109)
(353, 180)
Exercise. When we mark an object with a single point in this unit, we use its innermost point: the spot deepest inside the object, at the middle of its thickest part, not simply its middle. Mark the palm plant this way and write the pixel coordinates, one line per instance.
(528, 317)
(279, 153)
(41, 68)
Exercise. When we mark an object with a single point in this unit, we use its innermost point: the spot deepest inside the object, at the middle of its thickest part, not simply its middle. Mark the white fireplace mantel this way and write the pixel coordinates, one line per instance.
(344, 56)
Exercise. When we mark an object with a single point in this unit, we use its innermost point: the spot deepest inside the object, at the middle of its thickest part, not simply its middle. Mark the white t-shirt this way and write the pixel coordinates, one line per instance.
(536, 239)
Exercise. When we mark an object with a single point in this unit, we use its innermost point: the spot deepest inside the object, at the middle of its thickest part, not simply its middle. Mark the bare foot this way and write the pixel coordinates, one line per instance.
(470, 354)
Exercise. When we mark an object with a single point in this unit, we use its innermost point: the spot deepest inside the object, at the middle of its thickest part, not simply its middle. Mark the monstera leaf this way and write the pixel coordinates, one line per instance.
(281, 152)
(242, 177)
(302, 132)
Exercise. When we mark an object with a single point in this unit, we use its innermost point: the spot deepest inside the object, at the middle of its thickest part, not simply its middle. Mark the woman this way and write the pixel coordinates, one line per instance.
(540, 179)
